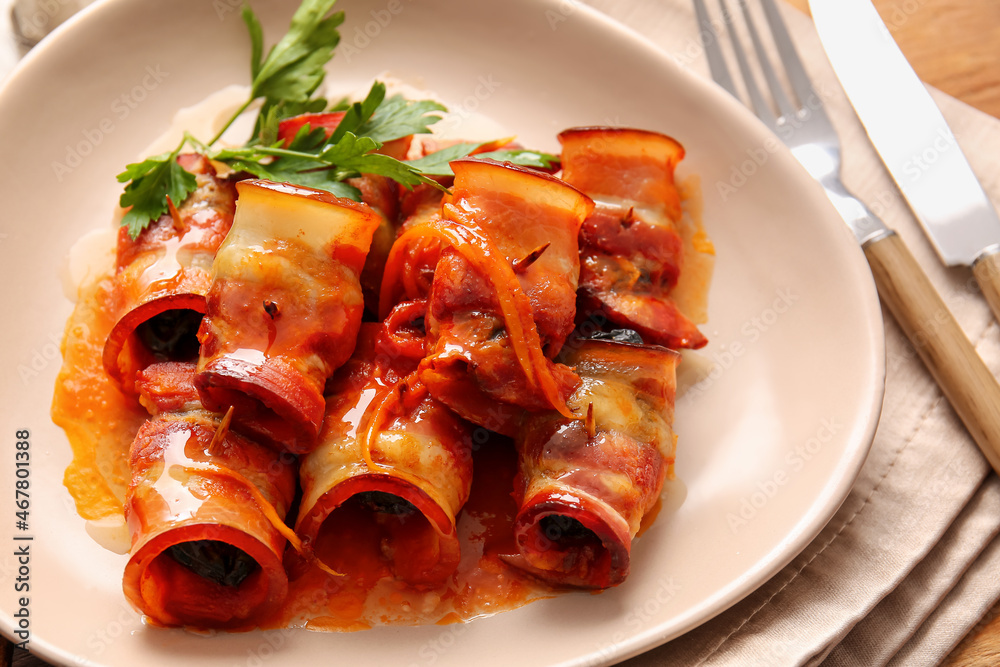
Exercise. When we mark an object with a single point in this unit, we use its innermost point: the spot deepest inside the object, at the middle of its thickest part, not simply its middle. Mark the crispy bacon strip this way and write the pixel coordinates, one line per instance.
(284, 309)
(206, 519)
(162, 277)
(502, 299)
(630, 248)
(583, 486)
(393, 470)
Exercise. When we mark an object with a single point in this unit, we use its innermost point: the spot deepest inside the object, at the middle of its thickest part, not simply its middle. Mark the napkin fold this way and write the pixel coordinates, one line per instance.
(908, 564)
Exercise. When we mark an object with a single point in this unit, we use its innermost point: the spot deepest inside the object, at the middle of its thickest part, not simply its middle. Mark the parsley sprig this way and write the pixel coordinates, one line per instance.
(150, 182)
(285, 81)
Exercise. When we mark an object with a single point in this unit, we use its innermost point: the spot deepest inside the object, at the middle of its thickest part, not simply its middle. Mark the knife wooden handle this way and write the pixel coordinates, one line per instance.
(940, 342)
(987, 273)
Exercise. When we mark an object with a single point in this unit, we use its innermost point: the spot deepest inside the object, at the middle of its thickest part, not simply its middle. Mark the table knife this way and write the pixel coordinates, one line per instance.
(914, 141)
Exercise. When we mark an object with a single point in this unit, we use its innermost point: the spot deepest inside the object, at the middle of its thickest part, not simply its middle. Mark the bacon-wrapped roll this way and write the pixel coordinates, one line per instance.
(631, 250)
(284, 309)
(393, 469)
(583, 486)
(205, 510)
(379, 192)
(503, 295)
(163, 276)
(412, 271)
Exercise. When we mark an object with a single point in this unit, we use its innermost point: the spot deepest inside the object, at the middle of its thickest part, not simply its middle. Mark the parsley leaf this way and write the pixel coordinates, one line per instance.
(355, 155)
(525, 158)
(436, 164)
(313, 161)
(399, 117)
(279, 172)
(269, 119)
(256, 40)
(360, 112)
(150, 182)
(293, 69)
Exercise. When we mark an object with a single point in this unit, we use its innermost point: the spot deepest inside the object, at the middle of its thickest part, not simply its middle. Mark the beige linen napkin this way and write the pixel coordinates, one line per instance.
(908, 564)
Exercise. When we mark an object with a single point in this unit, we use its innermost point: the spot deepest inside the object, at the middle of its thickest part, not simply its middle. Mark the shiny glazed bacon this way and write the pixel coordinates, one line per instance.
(196, 486)
(284, 309)
(631, 251)
(583, 486)
(163, 275)
(392, 458)
(503, 295)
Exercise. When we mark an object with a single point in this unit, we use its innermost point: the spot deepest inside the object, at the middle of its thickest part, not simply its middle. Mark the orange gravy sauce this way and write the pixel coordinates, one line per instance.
(482, 585)
(98, 419)
(101, 422)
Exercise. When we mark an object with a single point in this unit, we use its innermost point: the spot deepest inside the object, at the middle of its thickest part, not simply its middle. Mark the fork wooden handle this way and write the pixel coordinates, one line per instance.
(987, 273)
(939, 340)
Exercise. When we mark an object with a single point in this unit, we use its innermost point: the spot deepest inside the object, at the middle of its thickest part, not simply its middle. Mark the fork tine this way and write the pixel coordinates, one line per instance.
(713, 51)
(777, 91)
(760, 105)
(801, 83)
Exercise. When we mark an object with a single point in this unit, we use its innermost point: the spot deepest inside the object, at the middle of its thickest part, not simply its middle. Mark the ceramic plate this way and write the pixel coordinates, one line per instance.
(770, 441)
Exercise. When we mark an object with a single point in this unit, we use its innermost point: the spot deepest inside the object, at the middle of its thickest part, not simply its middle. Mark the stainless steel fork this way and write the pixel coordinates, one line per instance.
(806, 129)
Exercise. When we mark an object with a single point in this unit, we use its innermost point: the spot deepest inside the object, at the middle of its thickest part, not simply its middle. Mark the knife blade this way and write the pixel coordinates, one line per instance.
(913, 139)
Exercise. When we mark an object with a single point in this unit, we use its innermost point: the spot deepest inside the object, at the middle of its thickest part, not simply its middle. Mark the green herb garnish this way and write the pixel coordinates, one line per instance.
(286, 79)
(436, 164)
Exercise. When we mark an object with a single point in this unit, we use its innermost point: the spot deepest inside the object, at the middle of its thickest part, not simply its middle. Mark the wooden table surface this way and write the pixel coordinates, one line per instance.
(954, 46)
